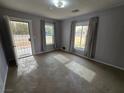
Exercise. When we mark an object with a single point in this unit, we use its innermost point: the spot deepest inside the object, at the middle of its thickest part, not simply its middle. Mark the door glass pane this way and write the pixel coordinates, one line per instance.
(49, 31)
(21, 38)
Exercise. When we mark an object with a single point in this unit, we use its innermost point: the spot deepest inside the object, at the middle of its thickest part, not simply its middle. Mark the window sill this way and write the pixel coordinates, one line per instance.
(79, 49)
(49, 44)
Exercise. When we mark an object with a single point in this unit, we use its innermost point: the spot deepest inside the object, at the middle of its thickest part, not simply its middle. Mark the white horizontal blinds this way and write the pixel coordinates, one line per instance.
(82, 23)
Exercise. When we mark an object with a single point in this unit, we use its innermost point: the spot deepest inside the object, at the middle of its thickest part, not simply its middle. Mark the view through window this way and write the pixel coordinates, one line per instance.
(80, 36)
(49, 31)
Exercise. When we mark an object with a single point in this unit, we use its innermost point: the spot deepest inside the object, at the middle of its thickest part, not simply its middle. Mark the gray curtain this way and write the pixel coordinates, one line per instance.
(55, 35)
(43, 39)
(73, 25)
(91, 38)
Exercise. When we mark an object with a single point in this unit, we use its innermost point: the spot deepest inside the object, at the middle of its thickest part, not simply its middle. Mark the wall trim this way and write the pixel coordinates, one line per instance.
(46, 51)
(98, 61)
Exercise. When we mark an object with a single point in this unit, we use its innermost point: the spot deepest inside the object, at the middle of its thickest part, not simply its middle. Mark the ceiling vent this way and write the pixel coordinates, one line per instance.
(75, 10)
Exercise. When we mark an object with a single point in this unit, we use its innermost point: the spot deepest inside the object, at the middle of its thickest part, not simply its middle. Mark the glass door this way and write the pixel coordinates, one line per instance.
(21, 38)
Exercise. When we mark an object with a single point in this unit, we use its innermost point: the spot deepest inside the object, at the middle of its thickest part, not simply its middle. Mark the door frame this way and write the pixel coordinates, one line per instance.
(30, 31)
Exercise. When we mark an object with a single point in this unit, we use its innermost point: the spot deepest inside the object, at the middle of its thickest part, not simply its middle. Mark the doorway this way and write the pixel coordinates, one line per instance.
(20, 31)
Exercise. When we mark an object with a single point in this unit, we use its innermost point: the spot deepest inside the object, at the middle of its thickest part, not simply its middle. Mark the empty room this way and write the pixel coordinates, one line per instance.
(61, 46)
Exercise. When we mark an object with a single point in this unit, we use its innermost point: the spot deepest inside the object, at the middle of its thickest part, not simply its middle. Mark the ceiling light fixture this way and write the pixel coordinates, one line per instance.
(59, 3)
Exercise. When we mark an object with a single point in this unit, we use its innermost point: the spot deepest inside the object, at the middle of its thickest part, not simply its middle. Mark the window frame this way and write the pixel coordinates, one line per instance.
(83, 23)
(50, 24)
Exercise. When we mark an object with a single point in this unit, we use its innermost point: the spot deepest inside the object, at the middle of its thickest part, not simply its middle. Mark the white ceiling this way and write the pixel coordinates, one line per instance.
(42, 7)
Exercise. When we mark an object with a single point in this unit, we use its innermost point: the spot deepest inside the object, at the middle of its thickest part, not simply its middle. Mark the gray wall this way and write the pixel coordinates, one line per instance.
(110, 45)
(3, 69)
(36, 44)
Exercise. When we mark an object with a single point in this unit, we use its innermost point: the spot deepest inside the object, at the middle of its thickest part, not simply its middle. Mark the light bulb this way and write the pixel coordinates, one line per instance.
(59, 3)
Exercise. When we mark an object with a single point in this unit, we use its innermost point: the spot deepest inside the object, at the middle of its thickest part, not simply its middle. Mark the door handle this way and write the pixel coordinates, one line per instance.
(14, 46)
(29, 39)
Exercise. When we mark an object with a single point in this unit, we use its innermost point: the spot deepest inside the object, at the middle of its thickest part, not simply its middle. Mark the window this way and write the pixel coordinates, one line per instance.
(80, 35)
(49, 31)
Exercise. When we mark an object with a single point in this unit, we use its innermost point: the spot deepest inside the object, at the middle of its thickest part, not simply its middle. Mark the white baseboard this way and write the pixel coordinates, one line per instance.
(46, 51)
(3, 90)
(99, 61)
(105, 63)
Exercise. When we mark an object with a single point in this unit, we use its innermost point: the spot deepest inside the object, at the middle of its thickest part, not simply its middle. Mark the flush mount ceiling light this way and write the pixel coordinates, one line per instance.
(59, 3)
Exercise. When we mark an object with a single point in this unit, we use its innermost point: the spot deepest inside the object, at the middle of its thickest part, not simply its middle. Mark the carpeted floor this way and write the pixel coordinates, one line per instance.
(59, 72)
